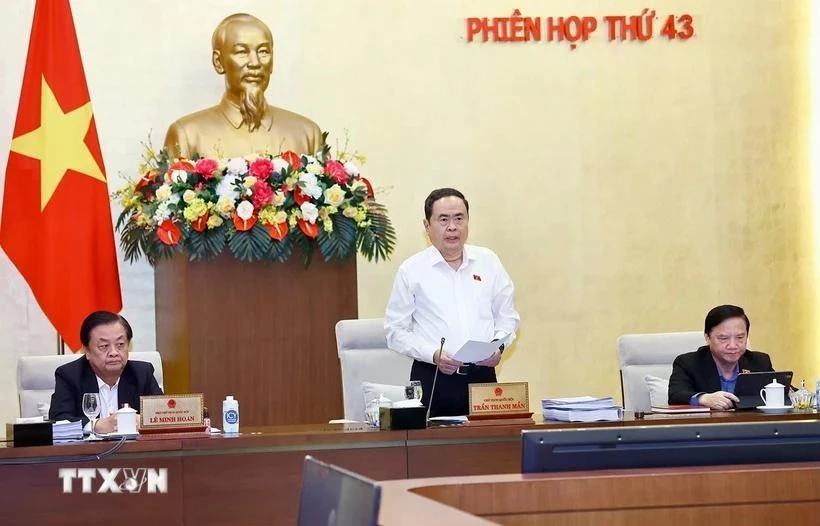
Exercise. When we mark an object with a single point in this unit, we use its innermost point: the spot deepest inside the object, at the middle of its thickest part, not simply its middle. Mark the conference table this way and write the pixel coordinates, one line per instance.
(254, 478)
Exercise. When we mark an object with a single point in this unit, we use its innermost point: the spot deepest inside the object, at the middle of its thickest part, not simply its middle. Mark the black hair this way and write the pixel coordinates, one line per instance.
(441, 193)
(722, 313)
(102, 317)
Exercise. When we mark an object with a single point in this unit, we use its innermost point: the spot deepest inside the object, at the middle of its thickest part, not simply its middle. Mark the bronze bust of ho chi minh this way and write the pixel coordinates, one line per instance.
(243, 122)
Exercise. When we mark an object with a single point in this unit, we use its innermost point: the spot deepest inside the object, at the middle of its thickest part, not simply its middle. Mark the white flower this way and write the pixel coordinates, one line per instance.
(352, 168)
(179, 176)
(226, 187)
(308, 179)
(249, 181)
(174, 199)
(309, 159)
(279, 164)
(164, 192)
(334, 196)
(237, 166)
(315, 168)
(310, 185)
(279, 198)
(162, 213)
(244, 210)
(309, 212)
(188, 196)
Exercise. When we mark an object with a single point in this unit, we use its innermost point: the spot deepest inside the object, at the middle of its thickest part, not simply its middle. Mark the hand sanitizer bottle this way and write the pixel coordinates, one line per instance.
(230, 415)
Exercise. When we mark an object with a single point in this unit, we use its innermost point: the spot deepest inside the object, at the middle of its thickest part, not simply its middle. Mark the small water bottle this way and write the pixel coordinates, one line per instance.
(230, 415)
(817, 395)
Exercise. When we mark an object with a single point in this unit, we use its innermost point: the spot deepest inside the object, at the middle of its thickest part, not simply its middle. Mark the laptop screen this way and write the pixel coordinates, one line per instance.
(332, 496)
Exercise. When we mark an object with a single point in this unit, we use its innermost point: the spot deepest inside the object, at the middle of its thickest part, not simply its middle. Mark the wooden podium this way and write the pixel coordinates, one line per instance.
(263, 332)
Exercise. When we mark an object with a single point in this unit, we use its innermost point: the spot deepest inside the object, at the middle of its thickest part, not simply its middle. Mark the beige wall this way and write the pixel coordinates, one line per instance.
(628, 187)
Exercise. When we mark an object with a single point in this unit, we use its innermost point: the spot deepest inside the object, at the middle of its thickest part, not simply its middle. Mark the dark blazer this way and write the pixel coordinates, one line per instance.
(75, 378)
(696, 372)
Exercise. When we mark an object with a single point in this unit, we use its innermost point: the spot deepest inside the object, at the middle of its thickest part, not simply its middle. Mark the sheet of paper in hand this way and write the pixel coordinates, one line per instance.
(473, 351)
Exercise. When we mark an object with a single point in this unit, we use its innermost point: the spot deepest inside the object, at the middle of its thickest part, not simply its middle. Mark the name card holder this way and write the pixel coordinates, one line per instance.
(500, 403)
(172, 414)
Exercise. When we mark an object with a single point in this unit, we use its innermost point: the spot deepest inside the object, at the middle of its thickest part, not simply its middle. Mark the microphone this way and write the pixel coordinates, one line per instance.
(433, 389)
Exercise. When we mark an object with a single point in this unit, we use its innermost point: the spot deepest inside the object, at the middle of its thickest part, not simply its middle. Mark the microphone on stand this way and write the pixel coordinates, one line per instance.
(433, 389)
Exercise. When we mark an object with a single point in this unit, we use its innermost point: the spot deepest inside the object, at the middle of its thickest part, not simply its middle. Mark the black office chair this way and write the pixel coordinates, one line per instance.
(332, 496)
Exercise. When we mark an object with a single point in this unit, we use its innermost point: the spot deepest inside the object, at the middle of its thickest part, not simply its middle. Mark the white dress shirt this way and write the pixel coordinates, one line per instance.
(430, 300)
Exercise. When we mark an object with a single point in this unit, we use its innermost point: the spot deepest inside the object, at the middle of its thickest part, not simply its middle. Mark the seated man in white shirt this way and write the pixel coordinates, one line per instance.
(102, 368)
(453, 291)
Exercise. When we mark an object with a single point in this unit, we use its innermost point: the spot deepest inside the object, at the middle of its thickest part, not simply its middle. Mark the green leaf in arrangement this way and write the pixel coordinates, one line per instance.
(206, 244)
(376, 241)
(280, 250)
(157, 250)
(341, 242)
(131, 241)
(251, 245)
(303, 245)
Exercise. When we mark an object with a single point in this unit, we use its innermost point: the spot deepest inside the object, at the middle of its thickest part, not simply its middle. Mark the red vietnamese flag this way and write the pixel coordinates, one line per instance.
(56, 225)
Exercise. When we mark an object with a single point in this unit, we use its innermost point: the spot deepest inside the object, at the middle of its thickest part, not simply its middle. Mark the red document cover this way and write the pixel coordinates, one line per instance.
(680, 409)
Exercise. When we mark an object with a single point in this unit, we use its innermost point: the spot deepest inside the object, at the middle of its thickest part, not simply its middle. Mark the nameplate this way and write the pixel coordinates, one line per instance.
(171, 412)
(500, 400)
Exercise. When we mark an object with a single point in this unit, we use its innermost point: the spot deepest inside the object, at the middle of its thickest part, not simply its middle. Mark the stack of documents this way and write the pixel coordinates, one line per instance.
(64, 430)
(581, 409)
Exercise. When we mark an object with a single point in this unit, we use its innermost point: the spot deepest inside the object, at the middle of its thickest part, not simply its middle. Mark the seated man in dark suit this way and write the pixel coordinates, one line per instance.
(104, 368)
(707, 376)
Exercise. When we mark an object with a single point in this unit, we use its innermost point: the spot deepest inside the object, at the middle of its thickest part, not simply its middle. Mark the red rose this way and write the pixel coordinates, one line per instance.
(293, 159)
(168, 233)
(206, 168)
(261, 168)
(337, 172)
(262, 194)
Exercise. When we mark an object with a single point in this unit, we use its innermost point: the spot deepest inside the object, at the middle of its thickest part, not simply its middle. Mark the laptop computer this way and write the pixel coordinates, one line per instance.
(333, 496)
(748, 387)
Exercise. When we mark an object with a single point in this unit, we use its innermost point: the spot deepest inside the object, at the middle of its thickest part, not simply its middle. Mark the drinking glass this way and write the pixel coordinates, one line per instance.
(413, 390)
(91, 409)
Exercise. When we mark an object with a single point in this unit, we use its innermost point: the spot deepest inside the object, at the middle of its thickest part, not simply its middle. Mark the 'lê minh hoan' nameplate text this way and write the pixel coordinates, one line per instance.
(172, 413)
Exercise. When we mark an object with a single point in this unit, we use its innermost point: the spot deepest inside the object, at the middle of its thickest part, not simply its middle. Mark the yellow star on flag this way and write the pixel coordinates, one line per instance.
(59, 144)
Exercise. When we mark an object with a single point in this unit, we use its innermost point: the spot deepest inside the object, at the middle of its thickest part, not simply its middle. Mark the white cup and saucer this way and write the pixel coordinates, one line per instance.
(774, 398)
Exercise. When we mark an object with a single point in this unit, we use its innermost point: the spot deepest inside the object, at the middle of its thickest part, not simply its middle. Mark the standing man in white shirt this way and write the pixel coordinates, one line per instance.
(453, 291)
